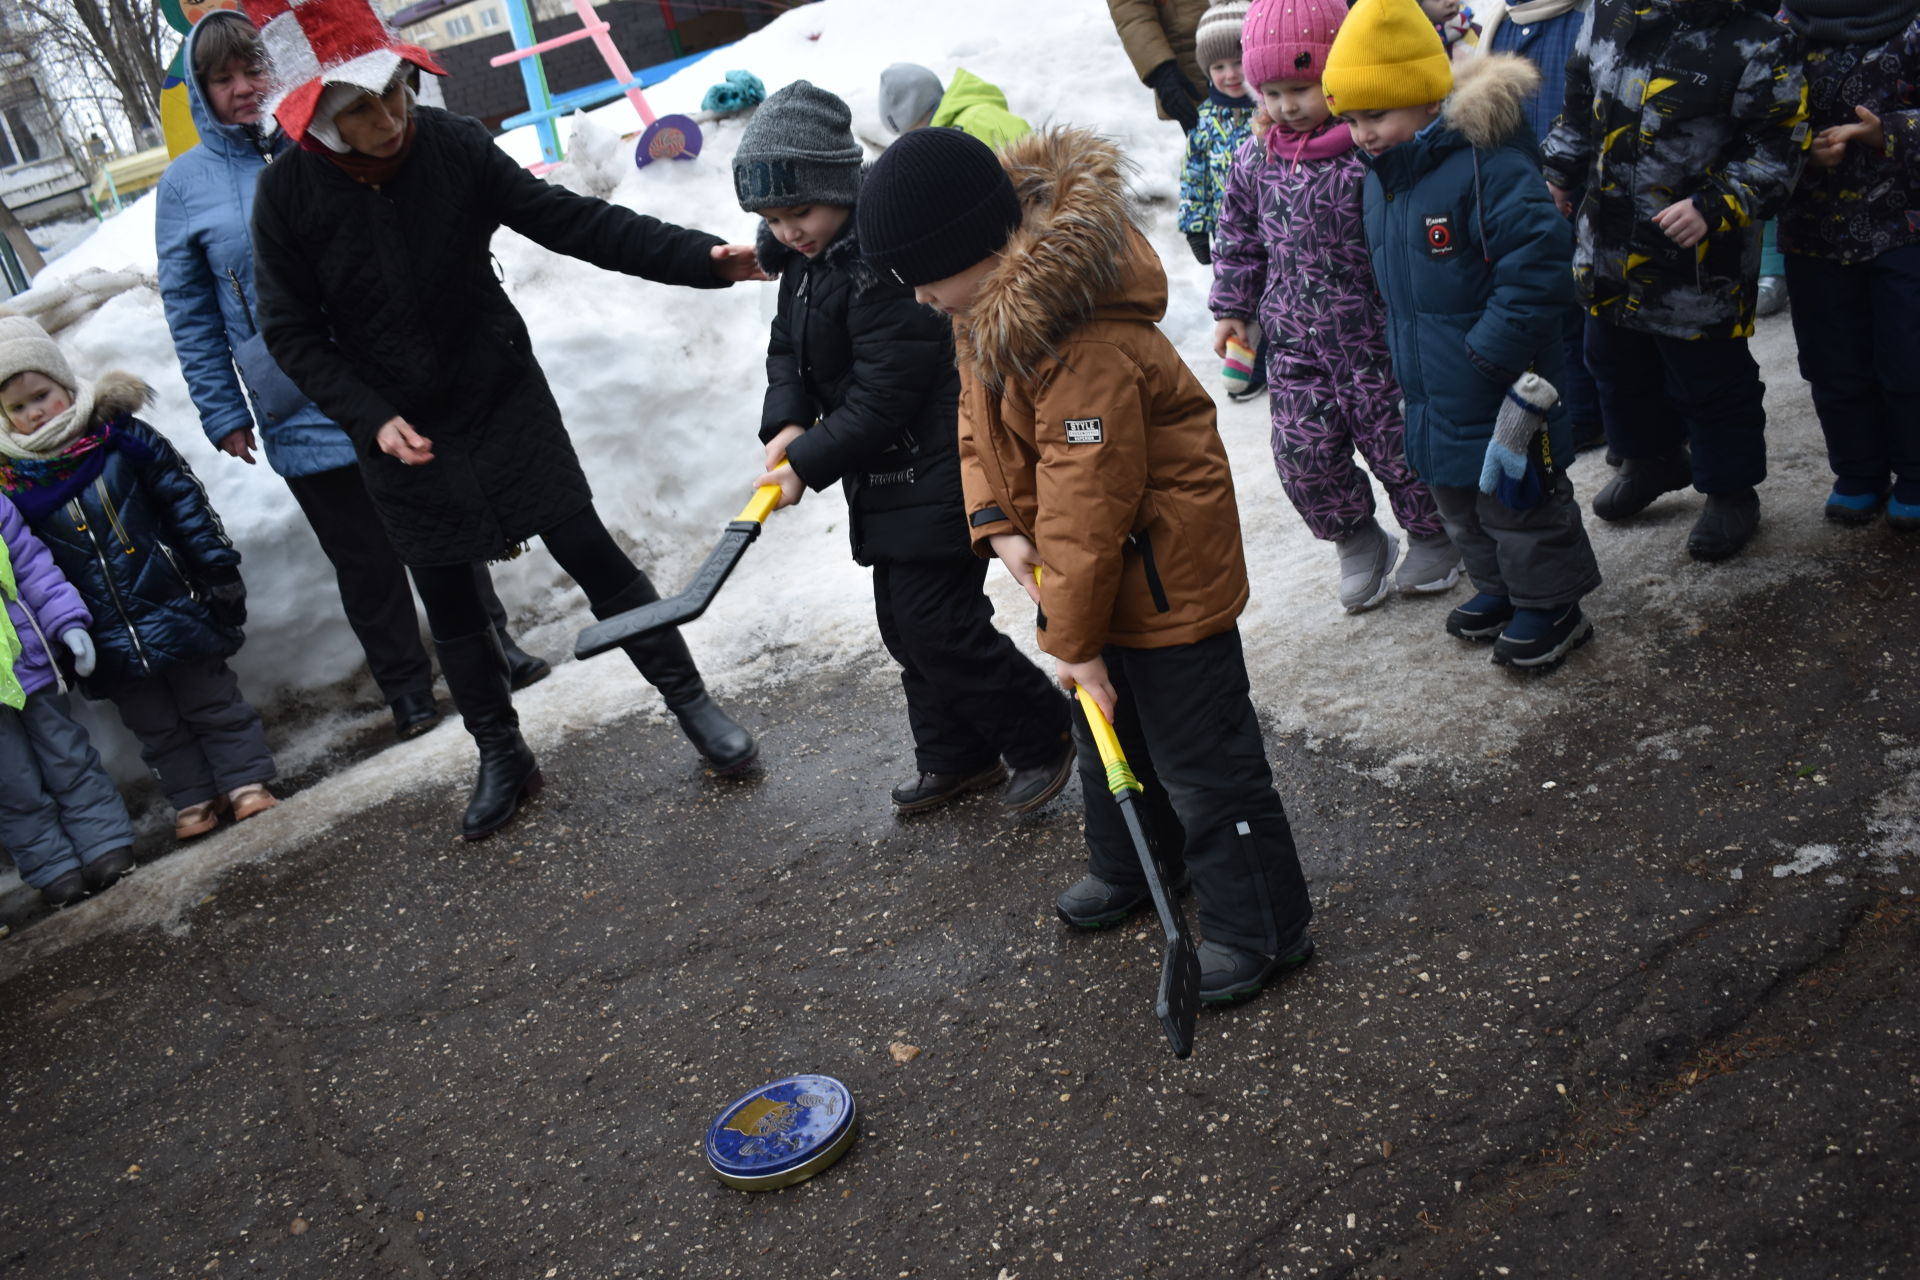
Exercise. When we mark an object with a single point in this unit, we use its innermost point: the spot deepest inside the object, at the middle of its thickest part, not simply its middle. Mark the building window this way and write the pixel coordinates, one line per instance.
(489, 18)
(459, 28)
(23, 139)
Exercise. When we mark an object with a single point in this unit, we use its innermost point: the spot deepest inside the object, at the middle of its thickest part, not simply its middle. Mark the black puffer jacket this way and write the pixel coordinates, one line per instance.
(382, 301)
(875, 369)
(143, 546)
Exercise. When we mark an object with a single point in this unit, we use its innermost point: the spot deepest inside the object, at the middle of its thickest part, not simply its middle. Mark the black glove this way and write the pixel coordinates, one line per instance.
(1178, 98)
(1202, 251)
(227, 602)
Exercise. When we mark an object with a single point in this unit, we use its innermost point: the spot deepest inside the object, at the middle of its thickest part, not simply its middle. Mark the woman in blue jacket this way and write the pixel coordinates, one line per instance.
(206, 281)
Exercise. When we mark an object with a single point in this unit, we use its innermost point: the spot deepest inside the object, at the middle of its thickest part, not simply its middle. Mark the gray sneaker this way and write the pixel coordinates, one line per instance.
(1432, 565)
(1366, 557)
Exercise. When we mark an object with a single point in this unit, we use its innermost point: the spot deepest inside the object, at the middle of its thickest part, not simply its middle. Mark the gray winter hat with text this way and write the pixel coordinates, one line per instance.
(798, 149)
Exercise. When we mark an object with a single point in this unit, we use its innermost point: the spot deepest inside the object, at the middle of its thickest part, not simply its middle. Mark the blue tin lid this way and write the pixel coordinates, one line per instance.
(782, 1133)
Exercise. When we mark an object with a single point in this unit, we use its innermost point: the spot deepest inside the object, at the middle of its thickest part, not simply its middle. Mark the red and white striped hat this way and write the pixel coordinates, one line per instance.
(315, 43)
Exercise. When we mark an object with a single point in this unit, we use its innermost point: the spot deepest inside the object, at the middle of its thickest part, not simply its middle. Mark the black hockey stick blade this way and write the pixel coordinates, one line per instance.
(1178, 1001)
(611, 633)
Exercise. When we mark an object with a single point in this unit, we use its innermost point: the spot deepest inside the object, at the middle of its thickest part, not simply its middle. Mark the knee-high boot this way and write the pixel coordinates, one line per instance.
(664, 660)
(476, 673)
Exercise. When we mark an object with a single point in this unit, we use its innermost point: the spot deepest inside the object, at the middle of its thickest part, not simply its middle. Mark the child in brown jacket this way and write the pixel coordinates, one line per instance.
(1088, 448)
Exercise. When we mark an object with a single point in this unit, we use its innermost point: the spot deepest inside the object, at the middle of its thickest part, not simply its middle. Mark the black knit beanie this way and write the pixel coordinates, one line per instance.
(934, 203)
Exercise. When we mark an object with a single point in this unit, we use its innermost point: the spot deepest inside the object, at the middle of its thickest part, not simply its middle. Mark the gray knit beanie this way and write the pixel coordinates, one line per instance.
(909, 93)
(26, 348)
(798, 149)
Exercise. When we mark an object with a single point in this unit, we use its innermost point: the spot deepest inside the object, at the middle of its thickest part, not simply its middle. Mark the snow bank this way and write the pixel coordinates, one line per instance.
(661, 388)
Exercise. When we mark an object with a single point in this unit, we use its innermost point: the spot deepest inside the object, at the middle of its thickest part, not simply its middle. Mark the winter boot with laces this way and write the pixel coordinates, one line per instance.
(1366, 560)
(1432, 566)
(476, 673)
(664, 660)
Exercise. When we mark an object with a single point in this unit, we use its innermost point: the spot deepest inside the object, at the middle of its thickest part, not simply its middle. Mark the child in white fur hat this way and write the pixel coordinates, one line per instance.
(130, 526)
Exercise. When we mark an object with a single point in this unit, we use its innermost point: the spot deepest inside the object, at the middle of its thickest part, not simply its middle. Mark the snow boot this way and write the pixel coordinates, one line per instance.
(1229, 975)
(1432, 566)
(1639, 481)
(414, 714)
(1366, 557)
(1726, 526)
(1481, 618)
(1853, 508)
(1539, 640)
(1092, 903)
(107, 868)
(196, 820)
(931, 790)
(1033, 786)
(664, 660)
(251, 799)
(523, 668)
(64, 890)
(1902, 517)
(476, 673)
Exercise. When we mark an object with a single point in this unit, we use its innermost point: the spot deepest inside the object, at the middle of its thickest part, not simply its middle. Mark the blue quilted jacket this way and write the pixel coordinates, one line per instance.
(203, 209)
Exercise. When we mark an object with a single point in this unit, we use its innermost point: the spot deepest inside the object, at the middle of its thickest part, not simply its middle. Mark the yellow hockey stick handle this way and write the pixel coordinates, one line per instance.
(761, 506)
(1120, 779)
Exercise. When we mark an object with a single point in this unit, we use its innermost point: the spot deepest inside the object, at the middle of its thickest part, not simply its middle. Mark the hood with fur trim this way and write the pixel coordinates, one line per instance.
(1077, 255)
(1489, 98)
(842, 254)
(118, 394)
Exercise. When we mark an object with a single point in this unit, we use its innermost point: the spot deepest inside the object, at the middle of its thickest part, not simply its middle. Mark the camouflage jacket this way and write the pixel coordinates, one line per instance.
(1669, 100)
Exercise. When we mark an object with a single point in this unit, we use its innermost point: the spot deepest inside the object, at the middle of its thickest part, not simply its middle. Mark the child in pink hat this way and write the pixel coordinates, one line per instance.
(1291, 253)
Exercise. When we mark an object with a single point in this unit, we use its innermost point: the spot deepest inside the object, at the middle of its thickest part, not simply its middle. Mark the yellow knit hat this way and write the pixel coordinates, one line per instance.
(1387, 55)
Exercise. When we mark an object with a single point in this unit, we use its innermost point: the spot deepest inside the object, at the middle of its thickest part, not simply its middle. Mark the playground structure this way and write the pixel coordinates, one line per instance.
(661, 138)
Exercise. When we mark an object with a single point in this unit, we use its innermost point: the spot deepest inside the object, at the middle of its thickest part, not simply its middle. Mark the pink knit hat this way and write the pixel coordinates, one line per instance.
(1288, 39)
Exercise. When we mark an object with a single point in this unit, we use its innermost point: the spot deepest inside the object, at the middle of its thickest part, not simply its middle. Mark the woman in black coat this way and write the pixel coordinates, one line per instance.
(378, 298)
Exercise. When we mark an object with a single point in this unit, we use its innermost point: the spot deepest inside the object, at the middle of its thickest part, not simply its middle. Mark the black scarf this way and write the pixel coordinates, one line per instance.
(1849, 21)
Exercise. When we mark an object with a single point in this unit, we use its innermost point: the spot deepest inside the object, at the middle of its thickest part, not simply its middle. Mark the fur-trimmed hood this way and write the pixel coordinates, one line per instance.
(843, 254)
(1077, 255)
(118, 394)
(1488, 102)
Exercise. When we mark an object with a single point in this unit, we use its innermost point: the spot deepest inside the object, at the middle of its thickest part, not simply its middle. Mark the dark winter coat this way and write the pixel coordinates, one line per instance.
(144, 547)
(1869, 202)
(875, 368)
(201, 214)
(1081, 427)
(46, 606)
(1471, 256)
(381, 302)
(1674, 100)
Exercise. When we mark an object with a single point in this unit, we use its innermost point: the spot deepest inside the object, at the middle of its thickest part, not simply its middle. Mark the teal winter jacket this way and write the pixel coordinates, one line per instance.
(1476, 266)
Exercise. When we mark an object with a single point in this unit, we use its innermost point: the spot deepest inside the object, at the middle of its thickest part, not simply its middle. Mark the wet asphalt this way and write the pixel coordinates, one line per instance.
(1565, 1020)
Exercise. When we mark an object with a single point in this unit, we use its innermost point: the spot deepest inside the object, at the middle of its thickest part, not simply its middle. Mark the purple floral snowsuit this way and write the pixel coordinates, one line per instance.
(1291, 252)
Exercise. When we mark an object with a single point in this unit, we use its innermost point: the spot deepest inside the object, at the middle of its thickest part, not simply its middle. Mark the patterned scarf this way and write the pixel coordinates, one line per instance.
(40, 485)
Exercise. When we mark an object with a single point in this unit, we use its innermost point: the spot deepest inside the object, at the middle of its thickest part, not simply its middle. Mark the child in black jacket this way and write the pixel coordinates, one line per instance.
(862, 389)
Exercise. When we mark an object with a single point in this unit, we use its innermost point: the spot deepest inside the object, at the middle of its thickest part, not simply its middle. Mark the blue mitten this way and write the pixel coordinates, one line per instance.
(742, 90)
(1509, 471)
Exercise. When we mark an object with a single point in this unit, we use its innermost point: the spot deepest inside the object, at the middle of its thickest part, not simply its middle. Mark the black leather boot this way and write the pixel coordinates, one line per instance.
(523, 668)
(664, 660)
(476, 673)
